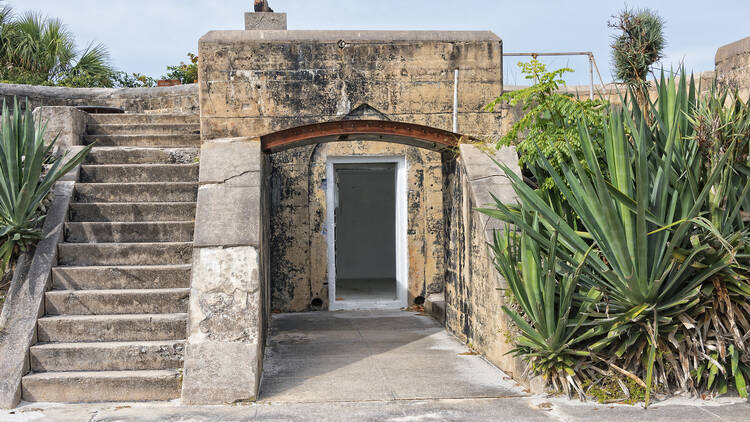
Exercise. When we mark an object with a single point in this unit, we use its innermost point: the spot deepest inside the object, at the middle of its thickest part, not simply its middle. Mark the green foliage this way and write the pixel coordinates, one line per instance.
(639, 44)
(556, 340)
(549, 124)
(659, 248)
(616, 390)
(132, 80)
(185, 73)
(41, 51)
(27, 174)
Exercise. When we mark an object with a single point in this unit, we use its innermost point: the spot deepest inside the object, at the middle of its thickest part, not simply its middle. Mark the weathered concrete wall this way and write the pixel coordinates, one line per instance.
(474, 290)
(172, 99)
(733, 66)
(227, 314)
(25, 301)
(299, 256)
(66, 125)
(258, 82)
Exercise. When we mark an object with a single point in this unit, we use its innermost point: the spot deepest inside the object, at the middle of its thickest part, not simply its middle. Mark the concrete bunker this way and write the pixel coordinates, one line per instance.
(282, 112)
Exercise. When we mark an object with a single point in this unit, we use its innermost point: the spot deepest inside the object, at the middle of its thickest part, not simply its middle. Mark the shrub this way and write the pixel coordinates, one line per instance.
(42, 51)
(659, 255)
(549, 125)
(185, 73)
(132, 80)
(27, 174)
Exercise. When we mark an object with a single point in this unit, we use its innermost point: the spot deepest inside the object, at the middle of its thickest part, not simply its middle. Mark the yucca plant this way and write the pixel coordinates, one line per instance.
(722, 321)
(24, 179)
(640, 228)
(553, 340)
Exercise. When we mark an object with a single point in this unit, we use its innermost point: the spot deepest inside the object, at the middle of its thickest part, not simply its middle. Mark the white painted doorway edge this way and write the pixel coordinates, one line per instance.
(402, 257)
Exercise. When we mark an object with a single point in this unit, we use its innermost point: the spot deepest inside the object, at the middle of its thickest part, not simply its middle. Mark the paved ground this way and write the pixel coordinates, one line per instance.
(384, 355)
(382, 366)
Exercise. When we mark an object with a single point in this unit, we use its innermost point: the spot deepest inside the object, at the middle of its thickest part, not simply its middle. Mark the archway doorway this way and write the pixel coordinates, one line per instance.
(356, 214)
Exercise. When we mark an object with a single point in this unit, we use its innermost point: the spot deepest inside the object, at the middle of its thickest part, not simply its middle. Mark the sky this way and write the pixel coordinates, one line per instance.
(147, 35)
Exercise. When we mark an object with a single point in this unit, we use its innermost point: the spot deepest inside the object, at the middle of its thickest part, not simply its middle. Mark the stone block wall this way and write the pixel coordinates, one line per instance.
(172, 99)
(299, 256)
(733, 66)
(257, 82)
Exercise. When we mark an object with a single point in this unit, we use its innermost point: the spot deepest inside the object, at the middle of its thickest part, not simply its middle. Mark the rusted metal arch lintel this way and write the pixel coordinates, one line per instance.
(375, 130)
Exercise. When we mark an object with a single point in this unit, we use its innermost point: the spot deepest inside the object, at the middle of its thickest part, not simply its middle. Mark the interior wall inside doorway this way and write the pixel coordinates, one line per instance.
(366, 221)
(298, 212)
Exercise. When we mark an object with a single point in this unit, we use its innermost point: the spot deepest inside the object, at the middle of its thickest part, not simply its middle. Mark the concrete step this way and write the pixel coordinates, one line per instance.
(138, 173)
(141, 118)
(103, 232)
(108, 254)
(143, 128)
(184, 140)
(82, 328)
(102, 386)
(136, 192)
(138, 155)
(117, 302)
(107, 356)
(124, 277)
(132, 211)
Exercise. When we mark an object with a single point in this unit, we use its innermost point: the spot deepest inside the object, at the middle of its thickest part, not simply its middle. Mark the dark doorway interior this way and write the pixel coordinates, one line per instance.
(366, 232)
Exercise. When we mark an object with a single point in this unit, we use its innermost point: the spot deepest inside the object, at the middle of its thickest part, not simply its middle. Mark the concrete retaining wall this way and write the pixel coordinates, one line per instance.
(172, 99)
(474, 290)
(25, 300)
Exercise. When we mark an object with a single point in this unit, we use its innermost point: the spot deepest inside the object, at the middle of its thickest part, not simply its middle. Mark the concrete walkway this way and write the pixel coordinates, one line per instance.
(381, 366)
(364, 356)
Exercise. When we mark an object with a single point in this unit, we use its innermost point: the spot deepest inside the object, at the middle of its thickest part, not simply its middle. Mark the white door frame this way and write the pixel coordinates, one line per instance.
(402, 260)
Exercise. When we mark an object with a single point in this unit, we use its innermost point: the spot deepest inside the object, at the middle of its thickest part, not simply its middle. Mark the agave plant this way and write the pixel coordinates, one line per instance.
(640, 224)
(24, 180)
(554, 341)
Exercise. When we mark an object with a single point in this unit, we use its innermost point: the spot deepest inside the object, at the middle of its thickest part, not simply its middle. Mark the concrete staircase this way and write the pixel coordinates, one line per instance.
(115, 320)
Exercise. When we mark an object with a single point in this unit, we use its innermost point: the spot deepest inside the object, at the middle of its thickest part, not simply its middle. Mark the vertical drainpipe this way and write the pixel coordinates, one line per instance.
(591, 76)
(455, 101)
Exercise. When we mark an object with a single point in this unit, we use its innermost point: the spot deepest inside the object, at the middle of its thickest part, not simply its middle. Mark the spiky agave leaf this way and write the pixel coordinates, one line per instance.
(23, 181)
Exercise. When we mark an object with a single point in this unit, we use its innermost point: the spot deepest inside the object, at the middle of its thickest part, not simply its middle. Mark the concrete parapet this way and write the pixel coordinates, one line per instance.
(173, 99)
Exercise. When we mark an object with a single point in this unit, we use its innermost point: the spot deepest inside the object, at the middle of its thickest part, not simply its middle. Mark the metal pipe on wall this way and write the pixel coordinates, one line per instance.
(455, 101)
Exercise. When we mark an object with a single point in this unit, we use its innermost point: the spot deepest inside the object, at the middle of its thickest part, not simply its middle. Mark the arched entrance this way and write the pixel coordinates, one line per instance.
(356, 214)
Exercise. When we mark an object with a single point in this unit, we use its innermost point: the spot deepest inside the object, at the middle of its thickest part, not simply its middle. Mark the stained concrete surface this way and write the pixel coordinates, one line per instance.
(381, 366)
(372, 355)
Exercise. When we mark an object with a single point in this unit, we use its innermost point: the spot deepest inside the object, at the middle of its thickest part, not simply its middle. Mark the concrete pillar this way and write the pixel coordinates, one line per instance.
(227, 315)
(68, 124)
